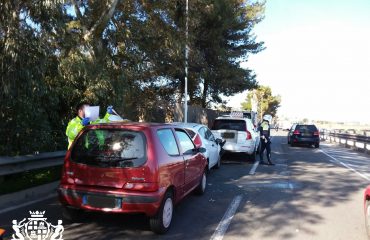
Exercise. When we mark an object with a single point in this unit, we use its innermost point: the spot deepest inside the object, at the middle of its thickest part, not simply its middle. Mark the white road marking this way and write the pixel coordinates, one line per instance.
(345, 165)
(53, 195)
(226, 219)
(255, 165)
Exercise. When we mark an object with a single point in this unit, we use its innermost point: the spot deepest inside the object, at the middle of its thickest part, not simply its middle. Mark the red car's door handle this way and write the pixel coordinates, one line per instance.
(187, 162)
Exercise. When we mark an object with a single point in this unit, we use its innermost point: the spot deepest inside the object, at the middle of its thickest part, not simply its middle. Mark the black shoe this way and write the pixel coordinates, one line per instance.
(271, 164)
(263, 163)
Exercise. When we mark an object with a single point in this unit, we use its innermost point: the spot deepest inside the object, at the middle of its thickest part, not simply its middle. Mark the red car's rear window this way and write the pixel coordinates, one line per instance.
(110, 148)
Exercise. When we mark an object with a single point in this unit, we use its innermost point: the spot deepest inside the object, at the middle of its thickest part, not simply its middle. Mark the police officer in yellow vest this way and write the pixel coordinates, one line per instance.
(80, 121)
(265, 139)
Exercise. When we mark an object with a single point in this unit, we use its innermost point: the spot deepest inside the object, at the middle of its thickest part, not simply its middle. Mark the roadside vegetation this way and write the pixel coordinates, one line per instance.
(265, 102)
(130, 54)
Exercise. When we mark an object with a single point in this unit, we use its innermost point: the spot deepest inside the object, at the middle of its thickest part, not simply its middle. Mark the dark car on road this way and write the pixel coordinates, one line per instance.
(131, 168)
(304, 134)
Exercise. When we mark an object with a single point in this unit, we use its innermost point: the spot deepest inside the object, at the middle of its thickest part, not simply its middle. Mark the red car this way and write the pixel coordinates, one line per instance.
(131, 168)
(367, 210)
(2, 232)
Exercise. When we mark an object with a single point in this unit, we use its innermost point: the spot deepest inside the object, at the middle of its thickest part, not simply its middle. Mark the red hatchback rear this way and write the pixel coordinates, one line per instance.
(131, 168)
(367, 210)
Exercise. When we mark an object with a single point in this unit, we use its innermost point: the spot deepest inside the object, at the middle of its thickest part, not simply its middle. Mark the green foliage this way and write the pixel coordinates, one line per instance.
(266, 102)
(221, 40)
(130, 54)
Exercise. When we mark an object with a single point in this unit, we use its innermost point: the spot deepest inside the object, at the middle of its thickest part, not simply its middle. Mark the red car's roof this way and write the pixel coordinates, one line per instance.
(131, 124)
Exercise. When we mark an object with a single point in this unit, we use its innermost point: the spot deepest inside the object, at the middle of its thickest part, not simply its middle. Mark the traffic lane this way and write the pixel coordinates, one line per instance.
(268, 195)
(332, 191)
(356, 161)
(196, 217)
(310, 198)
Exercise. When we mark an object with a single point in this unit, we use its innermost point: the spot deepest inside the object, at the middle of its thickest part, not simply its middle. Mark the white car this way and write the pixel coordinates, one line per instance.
(203, 137)
(240, 134)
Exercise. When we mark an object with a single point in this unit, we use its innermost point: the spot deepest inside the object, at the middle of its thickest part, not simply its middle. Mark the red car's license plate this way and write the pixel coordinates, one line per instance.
(101, 201)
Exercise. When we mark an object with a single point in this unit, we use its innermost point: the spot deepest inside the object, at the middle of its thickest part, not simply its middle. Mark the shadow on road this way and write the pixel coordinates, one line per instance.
(281, 211)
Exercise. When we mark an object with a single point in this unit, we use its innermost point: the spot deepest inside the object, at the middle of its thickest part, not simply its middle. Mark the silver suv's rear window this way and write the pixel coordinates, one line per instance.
(110, 148)
(229, 124)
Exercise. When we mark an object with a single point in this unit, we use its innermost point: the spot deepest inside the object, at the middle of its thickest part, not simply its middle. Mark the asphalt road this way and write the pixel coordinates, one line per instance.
(309, 194)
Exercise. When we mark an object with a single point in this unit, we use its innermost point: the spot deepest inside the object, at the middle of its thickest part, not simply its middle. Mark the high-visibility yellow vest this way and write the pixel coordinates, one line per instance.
(265, 126)
(75, 126)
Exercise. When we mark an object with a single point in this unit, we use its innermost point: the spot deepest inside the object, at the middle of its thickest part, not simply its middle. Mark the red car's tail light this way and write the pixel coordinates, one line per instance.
(2, 231)
(296, 132)
(67, 174)
(316, 133)
(249, 135)
(146, 187)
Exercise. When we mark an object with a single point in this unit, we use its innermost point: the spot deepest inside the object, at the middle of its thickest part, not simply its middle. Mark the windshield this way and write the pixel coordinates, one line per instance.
(229, 124)
(110, 148)
(306, 128)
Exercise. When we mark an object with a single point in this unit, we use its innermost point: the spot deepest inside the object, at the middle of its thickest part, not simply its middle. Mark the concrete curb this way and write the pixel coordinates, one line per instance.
(12, 201)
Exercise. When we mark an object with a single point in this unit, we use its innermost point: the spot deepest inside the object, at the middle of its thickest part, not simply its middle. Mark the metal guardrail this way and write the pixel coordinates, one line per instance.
(12, 165)
(359, 142)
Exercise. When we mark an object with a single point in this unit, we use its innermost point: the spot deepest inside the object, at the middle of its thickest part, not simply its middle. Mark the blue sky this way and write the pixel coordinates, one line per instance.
(317, 58)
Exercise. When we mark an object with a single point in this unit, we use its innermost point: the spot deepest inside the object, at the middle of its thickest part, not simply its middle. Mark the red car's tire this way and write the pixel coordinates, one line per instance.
(161, 222)
(71, 215)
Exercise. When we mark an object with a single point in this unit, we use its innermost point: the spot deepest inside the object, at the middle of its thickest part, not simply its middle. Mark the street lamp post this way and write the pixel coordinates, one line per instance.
(186, 64)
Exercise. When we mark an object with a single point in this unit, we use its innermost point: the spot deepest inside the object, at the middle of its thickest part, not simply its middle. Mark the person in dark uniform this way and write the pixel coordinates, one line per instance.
(265, 142)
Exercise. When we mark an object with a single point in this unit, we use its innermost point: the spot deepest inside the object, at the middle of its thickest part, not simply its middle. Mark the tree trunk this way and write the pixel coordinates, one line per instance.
(205, 92)
(93, 36)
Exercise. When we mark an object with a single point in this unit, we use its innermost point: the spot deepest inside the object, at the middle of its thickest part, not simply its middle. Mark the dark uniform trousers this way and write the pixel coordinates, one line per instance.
(267, 147)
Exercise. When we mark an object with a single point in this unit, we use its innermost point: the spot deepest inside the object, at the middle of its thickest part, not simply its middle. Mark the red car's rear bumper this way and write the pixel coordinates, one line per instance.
(111, 200)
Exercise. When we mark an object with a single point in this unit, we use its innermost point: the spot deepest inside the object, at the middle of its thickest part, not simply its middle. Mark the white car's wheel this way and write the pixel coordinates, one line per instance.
(218, 164)
(202, 184)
